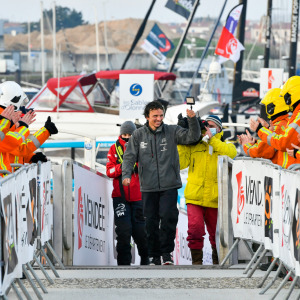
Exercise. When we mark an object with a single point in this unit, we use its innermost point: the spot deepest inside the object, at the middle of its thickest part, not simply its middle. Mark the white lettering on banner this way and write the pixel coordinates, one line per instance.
(253, 191)
(94, 213)
(294, 21)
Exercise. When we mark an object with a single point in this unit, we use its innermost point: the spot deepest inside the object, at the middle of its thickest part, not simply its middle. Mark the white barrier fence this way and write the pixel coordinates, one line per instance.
(266, 210)
(22, 223)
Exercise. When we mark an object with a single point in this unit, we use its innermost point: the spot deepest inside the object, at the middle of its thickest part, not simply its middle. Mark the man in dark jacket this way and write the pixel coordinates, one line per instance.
(127, 202)
(154, 146)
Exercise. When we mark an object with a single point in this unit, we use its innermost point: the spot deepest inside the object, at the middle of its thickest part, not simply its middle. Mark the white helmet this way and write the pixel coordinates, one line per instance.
(11, 94)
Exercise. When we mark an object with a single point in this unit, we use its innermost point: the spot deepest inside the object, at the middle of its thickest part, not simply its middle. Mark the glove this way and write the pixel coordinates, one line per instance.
(182, 122)
(39, 156)
(50, 126)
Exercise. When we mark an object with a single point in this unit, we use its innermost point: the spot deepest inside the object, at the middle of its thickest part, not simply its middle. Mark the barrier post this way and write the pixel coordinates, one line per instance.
(224, 210)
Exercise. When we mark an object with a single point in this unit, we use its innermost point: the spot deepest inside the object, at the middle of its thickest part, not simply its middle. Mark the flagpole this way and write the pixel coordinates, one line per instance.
(239, 64)
(294, 37)
(177, 51)
(206, 49)
(268, 34)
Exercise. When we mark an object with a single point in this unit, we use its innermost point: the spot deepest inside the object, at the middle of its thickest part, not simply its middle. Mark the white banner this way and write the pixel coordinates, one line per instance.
(91, 216)
(248, 200)
(287, 196)
(46, 205)
(12, 264)
(26, 195)
(270, 79)
(153, 51)
(135, 92)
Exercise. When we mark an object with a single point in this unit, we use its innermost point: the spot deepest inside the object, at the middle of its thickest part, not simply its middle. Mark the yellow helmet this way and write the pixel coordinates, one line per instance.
(291, 90)
(273, 103)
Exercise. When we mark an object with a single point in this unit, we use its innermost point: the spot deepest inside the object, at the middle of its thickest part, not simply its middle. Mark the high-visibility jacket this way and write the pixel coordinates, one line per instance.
(25, 151)
(283, 141)
(202, 160)
(114, 170)
(262, 149)
(9, 141)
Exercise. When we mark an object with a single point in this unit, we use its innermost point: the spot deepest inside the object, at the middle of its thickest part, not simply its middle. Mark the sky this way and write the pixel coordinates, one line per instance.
(30, 10)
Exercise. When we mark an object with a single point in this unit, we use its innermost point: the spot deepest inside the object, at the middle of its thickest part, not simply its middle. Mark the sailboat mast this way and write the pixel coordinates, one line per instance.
(268, 34)
(241, 37)
(294, 38)
(179, 46)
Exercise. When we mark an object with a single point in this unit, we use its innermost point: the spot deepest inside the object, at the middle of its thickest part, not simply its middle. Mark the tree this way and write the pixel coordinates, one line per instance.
(65, 18)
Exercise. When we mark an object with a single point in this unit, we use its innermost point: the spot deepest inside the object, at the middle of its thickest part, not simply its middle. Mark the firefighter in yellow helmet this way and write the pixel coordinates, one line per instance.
(290, 94)
(276, 110)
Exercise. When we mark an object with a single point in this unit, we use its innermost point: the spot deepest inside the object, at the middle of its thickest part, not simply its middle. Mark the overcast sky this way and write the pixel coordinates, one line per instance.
(29, 10)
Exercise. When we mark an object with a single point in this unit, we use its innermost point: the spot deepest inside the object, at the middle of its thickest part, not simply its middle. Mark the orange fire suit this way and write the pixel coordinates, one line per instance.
(262, 149)
(283, 141)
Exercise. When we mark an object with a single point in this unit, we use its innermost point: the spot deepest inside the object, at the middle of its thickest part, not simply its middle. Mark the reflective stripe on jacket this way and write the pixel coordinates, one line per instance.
(283, 141)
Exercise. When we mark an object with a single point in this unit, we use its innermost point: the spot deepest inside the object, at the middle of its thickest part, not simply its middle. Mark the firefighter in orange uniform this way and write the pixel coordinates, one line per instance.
(290, 93)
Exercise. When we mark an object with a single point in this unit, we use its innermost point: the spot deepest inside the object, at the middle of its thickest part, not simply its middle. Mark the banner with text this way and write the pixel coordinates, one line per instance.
(270, 79)
(135, 92)
(91, 216)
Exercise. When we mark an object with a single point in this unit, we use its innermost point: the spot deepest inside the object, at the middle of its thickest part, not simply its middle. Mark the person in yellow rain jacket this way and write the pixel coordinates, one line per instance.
(290, 93)
(201, 192)
(276, 110)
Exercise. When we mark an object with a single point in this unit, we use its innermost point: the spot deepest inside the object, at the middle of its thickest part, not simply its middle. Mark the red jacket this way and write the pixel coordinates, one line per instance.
(114, 170)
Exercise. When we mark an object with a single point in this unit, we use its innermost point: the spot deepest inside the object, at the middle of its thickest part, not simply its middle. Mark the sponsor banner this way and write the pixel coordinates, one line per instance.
(270, 79)
(157, 44)
(274, 219)
(248, 201)
(233, 18)
(26, 195)
(12, 265)
(135, 92)
(181, 7)
(288, 194)
(91, 216)
(46, 205)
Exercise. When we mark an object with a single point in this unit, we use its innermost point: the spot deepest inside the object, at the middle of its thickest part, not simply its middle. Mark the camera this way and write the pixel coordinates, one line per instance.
(190, 101)
(203, 123)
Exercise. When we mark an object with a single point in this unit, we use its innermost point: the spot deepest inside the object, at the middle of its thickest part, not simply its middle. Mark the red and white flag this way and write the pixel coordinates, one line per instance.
(228, 46)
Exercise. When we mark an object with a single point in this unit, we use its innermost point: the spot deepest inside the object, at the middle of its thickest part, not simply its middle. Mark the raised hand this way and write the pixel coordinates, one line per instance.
(263, 122)
(190, 113)
(29, 118)
(251, 139)
(271, 127)
(50, 126)
(253, 124)
(8, 112)
(16, 116)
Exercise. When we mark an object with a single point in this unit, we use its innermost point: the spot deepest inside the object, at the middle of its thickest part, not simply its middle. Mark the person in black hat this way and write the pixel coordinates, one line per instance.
(201, 191)
(127, 202)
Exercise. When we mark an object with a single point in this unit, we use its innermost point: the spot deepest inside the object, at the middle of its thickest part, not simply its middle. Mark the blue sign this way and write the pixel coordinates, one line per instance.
(135, 89)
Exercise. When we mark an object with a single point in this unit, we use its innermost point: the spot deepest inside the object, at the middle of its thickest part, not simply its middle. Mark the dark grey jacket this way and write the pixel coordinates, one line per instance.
(157, 155)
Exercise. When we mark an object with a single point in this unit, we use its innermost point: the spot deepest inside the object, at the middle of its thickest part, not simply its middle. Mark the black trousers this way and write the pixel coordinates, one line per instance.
(129, 221)
(161, 213)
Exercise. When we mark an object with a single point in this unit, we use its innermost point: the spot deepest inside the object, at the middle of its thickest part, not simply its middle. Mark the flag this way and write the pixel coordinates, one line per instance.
(157, 44)
(228, 46)
(181, 7)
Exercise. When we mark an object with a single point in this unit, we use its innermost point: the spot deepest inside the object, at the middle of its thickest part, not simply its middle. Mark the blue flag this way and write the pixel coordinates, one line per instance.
(157, 44)
(181, 7)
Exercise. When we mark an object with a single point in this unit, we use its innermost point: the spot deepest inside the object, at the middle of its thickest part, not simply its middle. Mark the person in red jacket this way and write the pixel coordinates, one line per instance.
(127, 202)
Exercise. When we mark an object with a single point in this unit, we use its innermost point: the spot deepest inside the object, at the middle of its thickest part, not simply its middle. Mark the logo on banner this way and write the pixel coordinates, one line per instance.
(268, 208)
(231, 47)
(287, 217)
(271, 79)
(135, 89)
(250, 92)
(296, 226)
(240, 195)
(80, 218)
